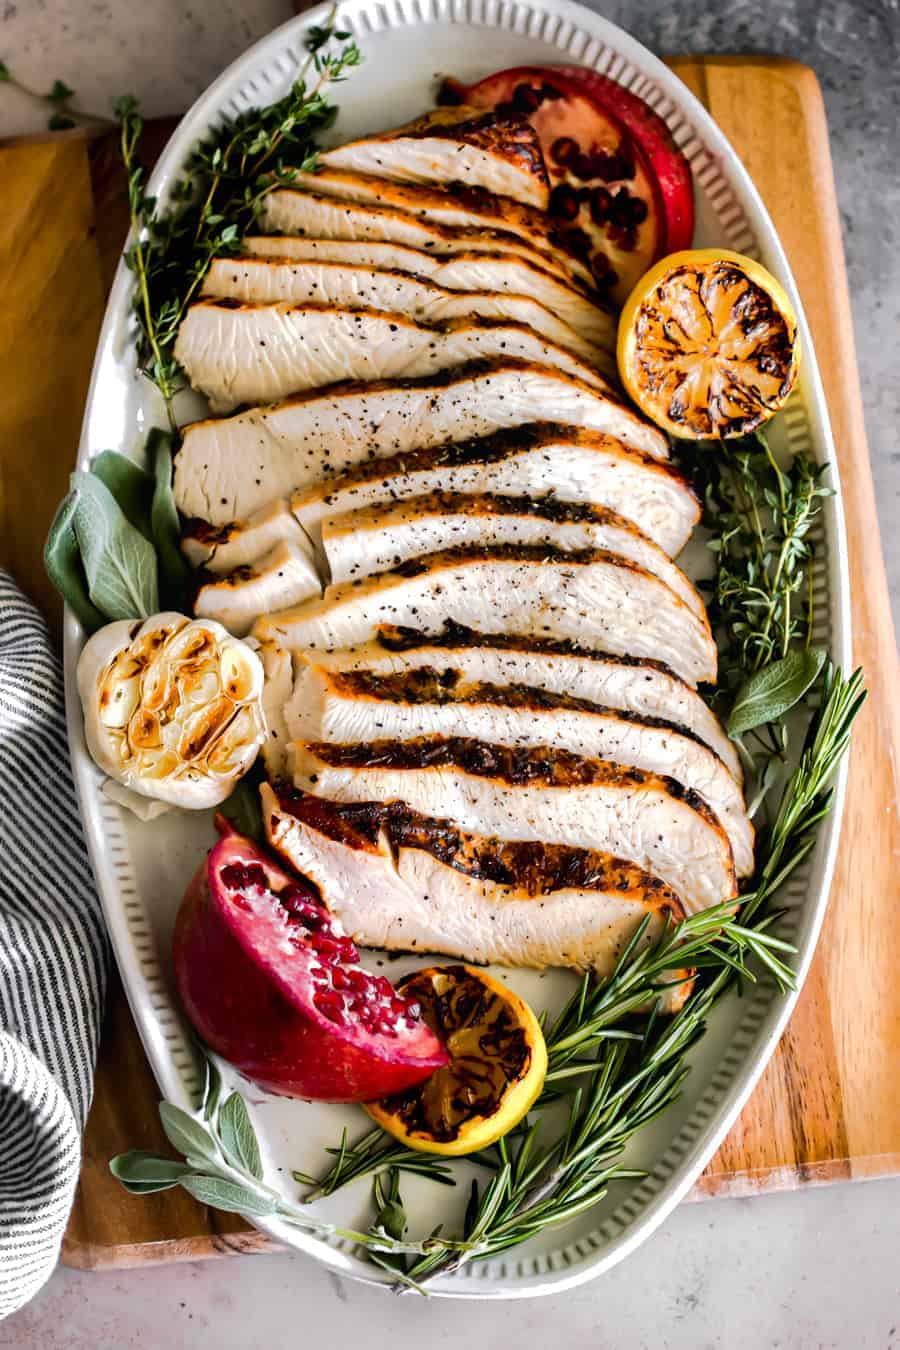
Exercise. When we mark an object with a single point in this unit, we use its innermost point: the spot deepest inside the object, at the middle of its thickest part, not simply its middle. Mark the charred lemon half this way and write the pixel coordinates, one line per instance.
(708, 344)
(498, 1060)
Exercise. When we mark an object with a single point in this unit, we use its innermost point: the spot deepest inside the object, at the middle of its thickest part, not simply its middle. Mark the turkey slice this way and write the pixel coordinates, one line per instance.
(454, 267)
(228, 468)
(238, 353)
(501, 154)
(222, 548)
(376, 538)
(454, 208)
(591, 597)
(540, 460)
(283, 578)
(362, 706)
(272, 281)
(646, 688)
(401, 881)
(544, 795)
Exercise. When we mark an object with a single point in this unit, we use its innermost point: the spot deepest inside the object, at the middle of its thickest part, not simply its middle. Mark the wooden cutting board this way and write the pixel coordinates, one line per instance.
(828, 1106)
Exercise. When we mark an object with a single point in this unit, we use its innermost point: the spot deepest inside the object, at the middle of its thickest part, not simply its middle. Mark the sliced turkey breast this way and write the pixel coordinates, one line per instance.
(271, 281)
(405, 882)
(501, 154)
(283, 578)
(278, 670)
(593, 597)
(236, 353)
(648, 689)
(228, 468)
(376, 538)
(456, 208)
(539, 460)
(494, 270)
(363, 706)
(545, 795)
(224, 547)
(320, 216)
(559, 465)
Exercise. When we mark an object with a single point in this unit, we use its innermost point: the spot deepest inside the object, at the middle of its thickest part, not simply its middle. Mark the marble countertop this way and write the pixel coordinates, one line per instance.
(811, 1269)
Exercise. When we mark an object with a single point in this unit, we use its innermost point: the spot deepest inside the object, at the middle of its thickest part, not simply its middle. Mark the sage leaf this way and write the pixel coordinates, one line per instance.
(769, 693)
(187, 1134)
(219, 1193)
(212, 1087)
(62, 561)
(131, 486)
(238, 1137)
(119, 563)
(173, 568)
(144, 1173)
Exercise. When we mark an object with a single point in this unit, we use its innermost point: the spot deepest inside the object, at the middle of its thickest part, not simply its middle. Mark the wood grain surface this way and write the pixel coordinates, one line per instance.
(828, 1106)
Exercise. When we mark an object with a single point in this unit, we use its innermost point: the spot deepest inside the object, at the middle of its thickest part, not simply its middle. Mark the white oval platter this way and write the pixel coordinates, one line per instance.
(142, 869)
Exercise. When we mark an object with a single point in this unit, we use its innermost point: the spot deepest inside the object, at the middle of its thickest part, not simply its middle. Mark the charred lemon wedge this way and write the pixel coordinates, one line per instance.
(708, 344)
(497, 1064)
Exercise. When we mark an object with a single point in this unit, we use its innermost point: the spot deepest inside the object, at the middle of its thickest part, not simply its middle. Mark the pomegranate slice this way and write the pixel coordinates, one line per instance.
(604, 199)
(673, 173)
(272, 983)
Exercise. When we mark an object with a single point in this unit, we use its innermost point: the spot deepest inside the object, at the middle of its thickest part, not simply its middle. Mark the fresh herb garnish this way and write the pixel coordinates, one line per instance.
(760, 515)
(616, 1064)
(218, 199)
(113, 547)
(63, 115)
(223, 1169)
(119, 562)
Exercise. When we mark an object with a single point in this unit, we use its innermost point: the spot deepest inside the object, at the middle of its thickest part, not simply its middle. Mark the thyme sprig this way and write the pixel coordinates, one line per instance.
(760, 515)
(218, 198)
(62, 113)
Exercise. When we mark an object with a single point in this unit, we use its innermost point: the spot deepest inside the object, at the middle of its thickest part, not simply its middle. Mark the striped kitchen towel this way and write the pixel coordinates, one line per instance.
(52, 957)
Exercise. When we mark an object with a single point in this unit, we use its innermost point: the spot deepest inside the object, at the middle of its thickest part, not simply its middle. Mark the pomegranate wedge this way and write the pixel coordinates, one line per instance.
(271, 982)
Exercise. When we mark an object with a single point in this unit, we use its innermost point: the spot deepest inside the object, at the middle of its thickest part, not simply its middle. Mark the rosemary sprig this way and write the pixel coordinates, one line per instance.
(218, 199)
(618, 1064)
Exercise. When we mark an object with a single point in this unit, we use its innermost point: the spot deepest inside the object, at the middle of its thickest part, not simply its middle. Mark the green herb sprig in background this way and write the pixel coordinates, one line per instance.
(218, 198)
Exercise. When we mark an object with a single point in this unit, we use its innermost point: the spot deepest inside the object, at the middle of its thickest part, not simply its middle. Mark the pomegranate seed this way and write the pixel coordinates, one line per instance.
(564, 150)
(579, 242)
(243, 876)
(600, 265)
(620, 210)
(330, 1004)
(358, 980)
(525, 99)
(313, 920)
(600, 204)
(340, 978)
(639, 211)
(413, 1011)
(626, 164)
(564, 202)
(384, 987)
(583, 167)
